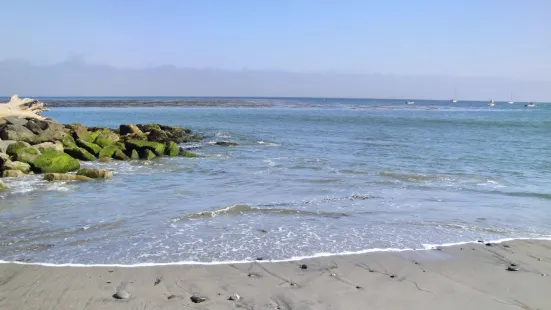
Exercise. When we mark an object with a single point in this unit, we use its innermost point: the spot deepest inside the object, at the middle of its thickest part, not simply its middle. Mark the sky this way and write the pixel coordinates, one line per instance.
(502, 39)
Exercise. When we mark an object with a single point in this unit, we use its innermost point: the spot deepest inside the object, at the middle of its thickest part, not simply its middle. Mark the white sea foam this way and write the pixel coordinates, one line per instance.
(295, 258)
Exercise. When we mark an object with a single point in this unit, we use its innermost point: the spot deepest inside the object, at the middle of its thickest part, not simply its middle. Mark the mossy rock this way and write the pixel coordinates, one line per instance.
(149, 127)
(3, 186)
(12, 174)
(80, 132)
(65, 177)
(126, 129)
(172, 149)
(104, 159)
(108, 151)
(80, 153)
(4, 158)
(16, 165)
(58, 146)
(119, 155)
(106, 138)
(14, 148)
(54, 161)
(134, 155)
(90, 147)
(141, 146)
(95, 173)
(158, 135)
(68, 141)
(187, 154)
(148, 154)
(27, 155)
(121, 145)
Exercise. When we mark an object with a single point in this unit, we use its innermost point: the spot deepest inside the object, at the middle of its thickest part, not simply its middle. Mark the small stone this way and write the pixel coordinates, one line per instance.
(513, 264)
(392, 276)
(506, 246)
(234, 297)
(108, 282)
(539, 259)
(293, 284)
(171, 297)
(544, 275)
(512, 268)
(358, 287)
(489, 244)
(259, 258)
(333, 274)
(157, 281)
(122, 294)
(303, 266)
(198, 299)
(461, 249)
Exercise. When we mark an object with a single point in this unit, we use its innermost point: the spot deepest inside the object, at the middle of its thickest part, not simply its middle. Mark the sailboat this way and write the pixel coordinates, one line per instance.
(491, 104)
(530, 105)
(511, 99)
(454, 96)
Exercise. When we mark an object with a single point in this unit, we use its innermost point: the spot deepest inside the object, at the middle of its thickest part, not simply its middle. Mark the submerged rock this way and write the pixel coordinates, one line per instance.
(172, 149)
(225, 143)
(65, 177)
(3, 185)
(187, 154)
(148, 155)
(12, 174)
(95, 173)
(141, 146)
(16, 165)
(134, 155)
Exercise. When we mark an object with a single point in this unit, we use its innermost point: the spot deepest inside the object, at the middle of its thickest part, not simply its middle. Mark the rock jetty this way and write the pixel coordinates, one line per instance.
(31, 145)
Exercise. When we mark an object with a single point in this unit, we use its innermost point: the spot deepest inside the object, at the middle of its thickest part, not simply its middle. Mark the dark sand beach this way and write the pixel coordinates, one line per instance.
(468, 276)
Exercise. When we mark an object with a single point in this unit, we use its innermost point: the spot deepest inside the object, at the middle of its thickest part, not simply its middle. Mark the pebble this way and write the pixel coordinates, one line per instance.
(234, 297)
(333, 274)
(122, 294)
(157, 281)
(259, 258)
(392, 276)
(358, 287)
(506, 245)
(513, 264)
(198, 299)
(171, 297)
(489, 244)
(512, 268)
(303, 266)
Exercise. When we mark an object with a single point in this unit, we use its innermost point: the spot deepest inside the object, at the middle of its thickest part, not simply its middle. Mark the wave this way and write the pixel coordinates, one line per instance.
(426, 247)
(245, 209)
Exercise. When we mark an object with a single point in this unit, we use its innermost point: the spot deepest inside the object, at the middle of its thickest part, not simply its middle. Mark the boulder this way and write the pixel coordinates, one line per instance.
(27, 155)
(54, 161)
(14, 148)
(106, 138)
(108, 151)
(58, 146)
(16, 165)
(80, 153)
(225, 143)
(3, 186)
(172, 149)
(126, 129)
(89, 146)
(17, 133)
(141, 146)
(12, 174)
(80, 132)
(157, 135)
(187, 154)
(134, 155)
(95, 173)
(148, 127)
(4, 144)
(15, 120)
(4, 158)
(32, 130)
(68, 141)
(121, 145)
(105, 159)
(119, 155)
(148, 154)
(65, 177)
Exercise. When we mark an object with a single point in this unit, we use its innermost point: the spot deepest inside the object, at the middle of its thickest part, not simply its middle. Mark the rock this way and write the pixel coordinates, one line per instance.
(89, 146)
(512, 268)
(141, 146)
(157, 282)
(12, 174)
(104, 159)
(234, 297)
(15, 120)
(148, 155)
(68, 141)
(121, 145)
(134, 155)
(108, 151)
(4, 144)
(122, 294)
(3, 186)
(158, 135)
(58, 146)
(171, 297)
(27, 155)
(16, 165)
(14, 148)
(106, 138)
(65, 177)
(489, 244)
(172, 149)
(149, 127)
(4, 158)
(54, 161)
(95, 173)
(126, 129)
(225, 143)
(46, 130)
(303, 266)
(187, 154)
(17, 133)
(119, 155)
(80, 132)
(80, 153)
(198, 299)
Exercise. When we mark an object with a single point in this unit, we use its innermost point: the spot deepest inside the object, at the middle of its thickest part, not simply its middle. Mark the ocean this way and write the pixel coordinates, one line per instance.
(308, 177)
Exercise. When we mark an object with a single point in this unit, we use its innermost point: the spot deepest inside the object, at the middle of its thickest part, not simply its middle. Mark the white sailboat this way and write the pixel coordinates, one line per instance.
(410, 102)
(530, 105)
(511, 99)
(454, 96)
(491, 104)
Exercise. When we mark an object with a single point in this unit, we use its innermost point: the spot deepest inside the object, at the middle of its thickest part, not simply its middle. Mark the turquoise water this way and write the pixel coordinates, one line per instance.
(308, 176)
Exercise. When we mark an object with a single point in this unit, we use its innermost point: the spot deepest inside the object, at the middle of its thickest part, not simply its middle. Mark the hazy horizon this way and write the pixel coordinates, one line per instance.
(426, 49)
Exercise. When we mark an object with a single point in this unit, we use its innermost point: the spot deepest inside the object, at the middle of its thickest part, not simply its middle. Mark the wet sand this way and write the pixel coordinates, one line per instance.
(469, 276)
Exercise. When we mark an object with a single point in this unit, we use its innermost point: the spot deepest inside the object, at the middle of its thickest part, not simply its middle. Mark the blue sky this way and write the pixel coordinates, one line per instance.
(507, 38)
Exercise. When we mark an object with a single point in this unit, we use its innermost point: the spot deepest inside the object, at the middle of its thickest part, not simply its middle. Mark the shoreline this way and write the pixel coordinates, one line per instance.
(469, 276)
(427, 247)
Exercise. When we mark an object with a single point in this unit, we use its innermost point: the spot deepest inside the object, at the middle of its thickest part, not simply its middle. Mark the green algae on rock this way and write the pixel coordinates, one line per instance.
(54, 161)
(95, 173)
(65, 177)
(80, 153)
